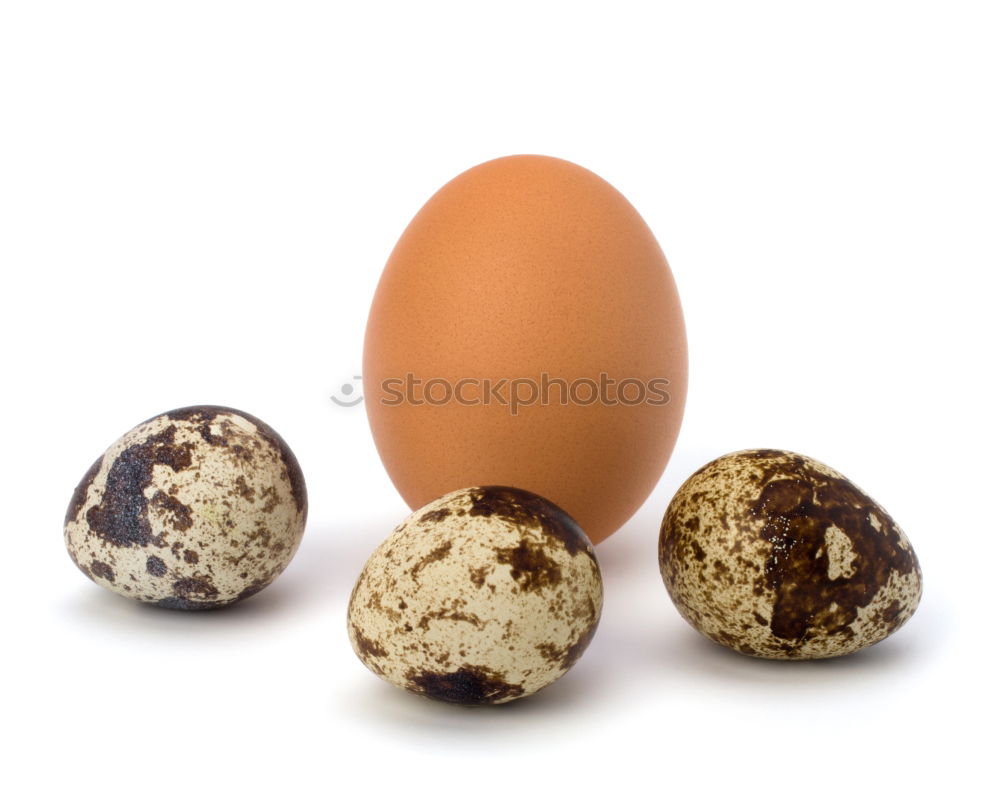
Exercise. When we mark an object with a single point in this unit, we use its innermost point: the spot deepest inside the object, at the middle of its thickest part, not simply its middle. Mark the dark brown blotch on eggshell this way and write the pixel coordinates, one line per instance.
(523, 508)
(567, 656)
(155, 566)
(530, 566)
(435, 516)
(121, 517)
(80, 493)
(182, 603)
(797, 513)
(776, 555)
(366, 647)
(436, 554)
(101, 569)
(470, 685)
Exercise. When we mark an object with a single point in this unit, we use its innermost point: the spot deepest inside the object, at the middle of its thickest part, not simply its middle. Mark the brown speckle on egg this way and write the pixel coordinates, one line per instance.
(469, 685)
(167, 508)
(777, 555)
(482, 596)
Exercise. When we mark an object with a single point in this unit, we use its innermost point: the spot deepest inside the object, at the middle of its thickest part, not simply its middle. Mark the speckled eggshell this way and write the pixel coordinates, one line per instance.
(193, 509)
(776, 555)
(485, 595)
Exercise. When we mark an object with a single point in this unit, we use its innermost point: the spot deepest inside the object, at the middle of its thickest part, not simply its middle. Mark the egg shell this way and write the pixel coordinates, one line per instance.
(483, 596)
(776, 555)
(193, 509)
(519, 268)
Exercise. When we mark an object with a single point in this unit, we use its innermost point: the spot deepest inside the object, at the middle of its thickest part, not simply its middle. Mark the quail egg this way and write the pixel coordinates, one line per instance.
(485, 595)
(776, 555)
(196, 508)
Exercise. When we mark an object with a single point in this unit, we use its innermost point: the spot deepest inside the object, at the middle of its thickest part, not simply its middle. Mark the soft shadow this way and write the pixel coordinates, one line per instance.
(635, 546)
(128, 617)
(328, 563)
(626, 552)
(905, 652)
(577, 693)
(321, 575)
(376, 702)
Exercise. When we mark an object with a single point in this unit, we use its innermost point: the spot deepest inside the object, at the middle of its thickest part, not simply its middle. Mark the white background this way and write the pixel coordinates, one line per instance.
(196, 200)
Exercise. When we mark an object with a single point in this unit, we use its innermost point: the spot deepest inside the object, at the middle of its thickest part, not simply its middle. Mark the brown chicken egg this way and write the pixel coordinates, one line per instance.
(776, 555)
(526, 331)
(193, 509)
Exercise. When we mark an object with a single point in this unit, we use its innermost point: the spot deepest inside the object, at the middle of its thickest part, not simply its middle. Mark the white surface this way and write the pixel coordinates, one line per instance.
(196, 200)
